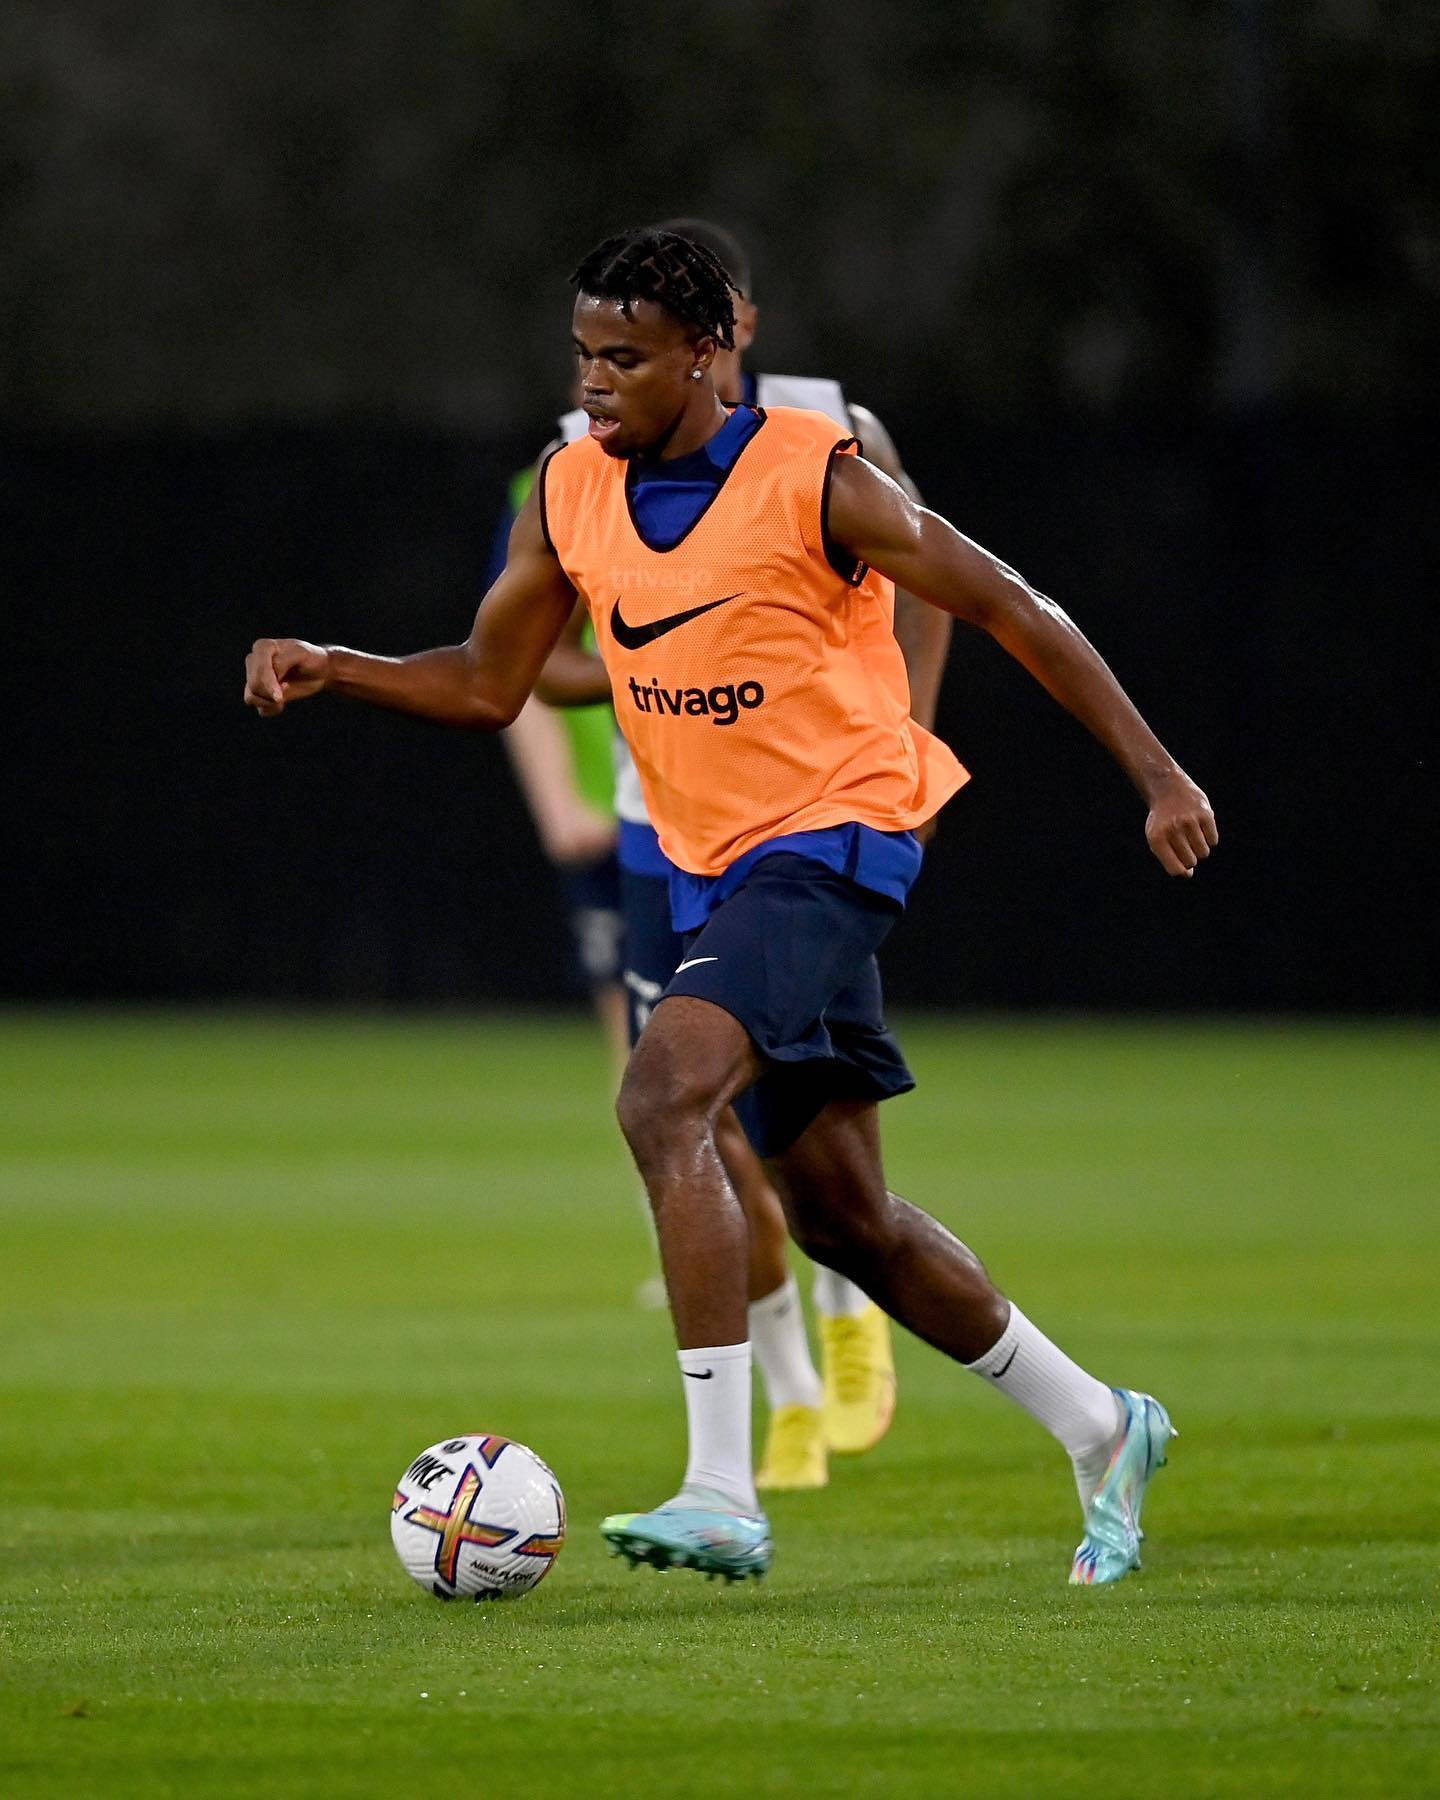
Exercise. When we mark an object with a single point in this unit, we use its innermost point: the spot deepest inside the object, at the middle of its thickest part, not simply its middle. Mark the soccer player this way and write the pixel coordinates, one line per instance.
(735, 565)
(849, 1407)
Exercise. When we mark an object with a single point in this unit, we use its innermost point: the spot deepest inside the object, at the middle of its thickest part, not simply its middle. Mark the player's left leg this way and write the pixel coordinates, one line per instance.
(841, 1212)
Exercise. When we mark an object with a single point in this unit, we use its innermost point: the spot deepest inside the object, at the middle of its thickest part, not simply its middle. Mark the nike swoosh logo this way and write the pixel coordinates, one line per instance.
(694, 962)
(699, 1374)
(635, 637)
(995, 1374)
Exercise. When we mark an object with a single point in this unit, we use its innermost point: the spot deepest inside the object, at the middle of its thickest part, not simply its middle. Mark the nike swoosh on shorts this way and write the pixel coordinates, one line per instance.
(635, 637)
(693, 961)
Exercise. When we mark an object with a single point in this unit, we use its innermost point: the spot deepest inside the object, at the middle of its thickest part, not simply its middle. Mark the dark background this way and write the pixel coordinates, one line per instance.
(1147, 296)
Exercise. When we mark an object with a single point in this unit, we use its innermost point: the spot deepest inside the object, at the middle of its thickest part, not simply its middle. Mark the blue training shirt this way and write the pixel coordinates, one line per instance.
(667, 498)
(886, 862)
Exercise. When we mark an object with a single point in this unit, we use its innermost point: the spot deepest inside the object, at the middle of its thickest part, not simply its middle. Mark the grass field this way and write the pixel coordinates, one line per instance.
(249, 1267)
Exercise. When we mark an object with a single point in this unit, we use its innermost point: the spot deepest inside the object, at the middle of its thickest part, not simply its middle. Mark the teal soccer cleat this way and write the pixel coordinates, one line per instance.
(698, 1530)
(1110, 1547)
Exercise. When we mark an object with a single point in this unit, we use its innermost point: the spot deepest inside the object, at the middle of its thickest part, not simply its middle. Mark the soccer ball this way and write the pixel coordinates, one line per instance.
(477, 1516)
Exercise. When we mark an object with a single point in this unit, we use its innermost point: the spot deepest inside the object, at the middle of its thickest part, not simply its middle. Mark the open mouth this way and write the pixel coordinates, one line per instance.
(602, 427)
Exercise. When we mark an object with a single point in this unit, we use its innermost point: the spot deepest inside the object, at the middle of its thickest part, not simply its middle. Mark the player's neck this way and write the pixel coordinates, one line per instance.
(695, 427)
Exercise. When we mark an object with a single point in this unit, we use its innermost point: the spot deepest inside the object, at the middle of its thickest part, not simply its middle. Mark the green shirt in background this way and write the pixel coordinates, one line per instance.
(591, 729)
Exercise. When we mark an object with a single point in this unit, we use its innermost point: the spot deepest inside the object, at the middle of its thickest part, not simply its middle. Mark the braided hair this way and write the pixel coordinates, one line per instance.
(685, 278)
(725, 245)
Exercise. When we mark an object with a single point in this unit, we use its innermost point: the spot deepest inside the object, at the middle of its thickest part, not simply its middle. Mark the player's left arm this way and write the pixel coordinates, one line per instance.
(876, 521)
(922, 632)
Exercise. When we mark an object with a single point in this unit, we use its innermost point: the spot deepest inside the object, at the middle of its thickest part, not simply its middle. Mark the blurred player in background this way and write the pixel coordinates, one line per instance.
(846, 1408)
(564, 766)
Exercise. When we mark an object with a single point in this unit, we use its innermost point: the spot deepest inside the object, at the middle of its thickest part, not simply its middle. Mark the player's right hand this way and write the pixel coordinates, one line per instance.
(279, 670)
(1181, 828)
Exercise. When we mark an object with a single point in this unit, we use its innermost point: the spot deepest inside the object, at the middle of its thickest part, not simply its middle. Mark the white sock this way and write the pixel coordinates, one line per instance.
(717, 1406)
(1072, 1406)
(777, 1331)
(836, 1297)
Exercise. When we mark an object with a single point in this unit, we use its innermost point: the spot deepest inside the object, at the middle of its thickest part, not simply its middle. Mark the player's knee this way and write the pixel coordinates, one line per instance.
(816, 1226)
(812, 1237)
(847, 1234)
(839, 1245)
(634, 1106)
(661, 1105)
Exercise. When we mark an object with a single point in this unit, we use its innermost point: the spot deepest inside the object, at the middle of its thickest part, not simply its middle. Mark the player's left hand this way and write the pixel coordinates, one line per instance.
(1181, 829)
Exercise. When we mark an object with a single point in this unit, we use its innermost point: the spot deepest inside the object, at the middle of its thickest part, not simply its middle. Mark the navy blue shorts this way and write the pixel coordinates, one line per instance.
(592, 906)
(653, 947)
(791, 955)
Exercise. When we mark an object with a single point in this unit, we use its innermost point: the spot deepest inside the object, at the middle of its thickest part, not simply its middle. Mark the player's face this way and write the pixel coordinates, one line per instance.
(636, 374)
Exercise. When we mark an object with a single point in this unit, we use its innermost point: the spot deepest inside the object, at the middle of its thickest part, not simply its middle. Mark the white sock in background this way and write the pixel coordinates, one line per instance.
(837, 1298)
(1073, 1406)
(717, 1406)
(777, 1332)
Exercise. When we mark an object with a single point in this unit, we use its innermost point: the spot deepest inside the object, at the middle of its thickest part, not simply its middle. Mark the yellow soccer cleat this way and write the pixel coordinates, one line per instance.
(794, 1450)
(858, 1366)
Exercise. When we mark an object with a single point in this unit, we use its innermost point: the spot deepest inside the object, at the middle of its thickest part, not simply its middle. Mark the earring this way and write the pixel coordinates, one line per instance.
(695, 374)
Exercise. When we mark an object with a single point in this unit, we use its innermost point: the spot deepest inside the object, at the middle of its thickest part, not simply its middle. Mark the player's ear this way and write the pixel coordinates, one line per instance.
(703, 350)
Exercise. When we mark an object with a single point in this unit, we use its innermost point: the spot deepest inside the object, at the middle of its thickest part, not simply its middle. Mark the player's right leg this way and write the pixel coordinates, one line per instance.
(692, 1060)
(795, 1436)
(652, 949)
(842, 1214)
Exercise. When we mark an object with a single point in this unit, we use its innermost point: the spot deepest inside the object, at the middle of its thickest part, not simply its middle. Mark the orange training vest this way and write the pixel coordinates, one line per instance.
(760, 691)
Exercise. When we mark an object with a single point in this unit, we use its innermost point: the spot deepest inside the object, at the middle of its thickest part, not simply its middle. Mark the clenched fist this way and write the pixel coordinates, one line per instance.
(279, 670)
(1181, 828)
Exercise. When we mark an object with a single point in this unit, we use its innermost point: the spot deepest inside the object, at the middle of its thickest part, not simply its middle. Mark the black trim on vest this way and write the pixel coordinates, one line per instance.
(540, 492)
(849, 568)
(655, 549)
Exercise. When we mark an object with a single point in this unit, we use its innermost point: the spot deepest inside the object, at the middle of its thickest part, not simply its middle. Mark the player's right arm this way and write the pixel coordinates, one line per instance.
(481, 683)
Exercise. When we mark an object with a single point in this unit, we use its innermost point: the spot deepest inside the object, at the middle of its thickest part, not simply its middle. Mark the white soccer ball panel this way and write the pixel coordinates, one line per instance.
(477, 1515)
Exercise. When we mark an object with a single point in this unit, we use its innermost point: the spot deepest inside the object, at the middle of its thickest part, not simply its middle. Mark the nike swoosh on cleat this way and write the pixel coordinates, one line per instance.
(635, 637)
(695, 962)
